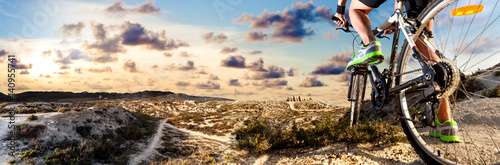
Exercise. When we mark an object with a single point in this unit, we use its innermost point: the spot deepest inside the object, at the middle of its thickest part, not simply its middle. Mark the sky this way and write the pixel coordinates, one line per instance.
(237, 49)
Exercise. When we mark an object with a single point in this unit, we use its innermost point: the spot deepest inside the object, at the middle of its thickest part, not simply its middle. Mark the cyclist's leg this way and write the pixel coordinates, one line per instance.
(360, 21)
(444, 112)
(448, 128)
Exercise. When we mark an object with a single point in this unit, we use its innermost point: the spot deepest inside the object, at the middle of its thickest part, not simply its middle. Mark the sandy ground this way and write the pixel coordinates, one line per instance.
(478, 119)
(20, 119)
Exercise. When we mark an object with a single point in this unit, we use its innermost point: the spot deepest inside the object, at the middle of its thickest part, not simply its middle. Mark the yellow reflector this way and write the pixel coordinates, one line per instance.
(467, 10)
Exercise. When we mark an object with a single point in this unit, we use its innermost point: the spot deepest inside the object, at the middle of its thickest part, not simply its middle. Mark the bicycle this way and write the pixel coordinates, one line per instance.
(423, 86)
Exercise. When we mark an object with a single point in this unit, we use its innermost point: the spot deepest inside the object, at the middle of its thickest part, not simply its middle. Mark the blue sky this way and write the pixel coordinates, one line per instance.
(227, 48)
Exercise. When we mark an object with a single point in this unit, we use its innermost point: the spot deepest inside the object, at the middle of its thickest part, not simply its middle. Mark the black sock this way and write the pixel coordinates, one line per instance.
(365, 45)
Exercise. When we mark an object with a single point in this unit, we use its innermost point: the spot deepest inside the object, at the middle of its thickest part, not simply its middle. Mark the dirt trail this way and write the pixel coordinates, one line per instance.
(223, 140)
(150, 151)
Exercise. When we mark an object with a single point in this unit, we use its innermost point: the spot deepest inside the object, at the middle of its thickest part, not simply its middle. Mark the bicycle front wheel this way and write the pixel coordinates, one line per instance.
(357, 83)
(471, 43)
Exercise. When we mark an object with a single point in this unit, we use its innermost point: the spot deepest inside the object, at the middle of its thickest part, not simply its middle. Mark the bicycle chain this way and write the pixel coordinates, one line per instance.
(412, 71)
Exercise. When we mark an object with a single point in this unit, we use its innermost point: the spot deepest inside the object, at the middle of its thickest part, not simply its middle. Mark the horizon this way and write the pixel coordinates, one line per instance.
(228, 49)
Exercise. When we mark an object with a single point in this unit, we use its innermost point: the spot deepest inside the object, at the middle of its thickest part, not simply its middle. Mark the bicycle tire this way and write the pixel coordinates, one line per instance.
(422, 148)
(356, 103)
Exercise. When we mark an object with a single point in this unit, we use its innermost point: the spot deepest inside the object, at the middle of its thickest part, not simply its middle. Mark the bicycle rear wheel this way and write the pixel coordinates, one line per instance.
(464, 40)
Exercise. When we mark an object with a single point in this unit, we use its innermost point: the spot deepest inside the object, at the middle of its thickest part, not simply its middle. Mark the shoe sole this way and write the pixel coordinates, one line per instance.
(446, 139)
(368, 61)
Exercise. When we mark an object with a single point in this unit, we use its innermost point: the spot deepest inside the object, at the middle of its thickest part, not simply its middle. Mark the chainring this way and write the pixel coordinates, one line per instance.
(447, 77)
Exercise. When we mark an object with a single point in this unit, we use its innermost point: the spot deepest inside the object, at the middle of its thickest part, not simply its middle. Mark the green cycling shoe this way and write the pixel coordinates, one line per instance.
(447, 131)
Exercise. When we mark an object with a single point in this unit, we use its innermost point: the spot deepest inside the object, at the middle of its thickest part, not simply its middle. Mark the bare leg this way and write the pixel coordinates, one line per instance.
(444, 110)
(360, 21)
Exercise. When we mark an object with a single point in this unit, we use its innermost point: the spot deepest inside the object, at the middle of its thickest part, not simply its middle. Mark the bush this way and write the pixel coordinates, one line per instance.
(260, 135)
(29, 154)
(32, 117)
(493, 92)
(497, 73)
(13, 161)
(84, 131)
(26, 131)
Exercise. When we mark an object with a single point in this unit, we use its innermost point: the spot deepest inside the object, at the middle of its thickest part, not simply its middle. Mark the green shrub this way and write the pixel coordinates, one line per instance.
(493, 92)
(84, 131)
(29, 154)
(26, 131)
(66, 156)
(32, 117)
(261, 135)
(497, 73)
(13, 161)
(63, 109)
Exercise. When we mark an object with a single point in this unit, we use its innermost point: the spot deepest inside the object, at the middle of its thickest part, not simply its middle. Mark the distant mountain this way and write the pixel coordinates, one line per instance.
(86, 96)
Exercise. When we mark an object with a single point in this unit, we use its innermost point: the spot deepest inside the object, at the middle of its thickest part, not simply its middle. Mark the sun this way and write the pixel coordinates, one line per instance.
(41, 65)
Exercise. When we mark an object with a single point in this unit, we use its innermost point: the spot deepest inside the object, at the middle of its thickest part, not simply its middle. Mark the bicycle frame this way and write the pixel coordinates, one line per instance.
(388, 76)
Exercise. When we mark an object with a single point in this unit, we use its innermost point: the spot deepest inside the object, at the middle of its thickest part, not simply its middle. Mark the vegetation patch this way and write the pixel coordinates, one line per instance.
(493, 92)
(27, 131)
(32, 117)
(261, 135)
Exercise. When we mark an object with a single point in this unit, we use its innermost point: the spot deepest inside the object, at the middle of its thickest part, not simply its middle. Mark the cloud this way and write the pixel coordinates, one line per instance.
(343, 77)
(271, 72)
(105, 58)
(336, 64)
(326, 69)
(185, 54)
(227, 50)
(331, 34)
(212, 38)
(24, 72)
(135, 34)
(272, 83)
(182, 84)
(46, 53)
(236, 61)
(130, 66)
(257, 65)
(208, 85)
(66, 57)
(242, 93)
(293, 72)
(188, 66)
(104, 48)
(68, 30)
(99, 70)
(311, 82)
(288, 26)
(62, 73)
(119, 8)
(341, 58)
(45, 76)
(254, 52)
(167, 54)
(3, 52)
(234, 82)
(18, 65)
(65, 67)
(252, 36)
(213, 77)
(79, 70)
(150, 82)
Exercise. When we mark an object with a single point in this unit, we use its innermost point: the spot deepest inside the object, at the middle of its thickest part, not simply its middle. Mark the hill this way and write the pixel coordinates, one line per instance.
(86, 96)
